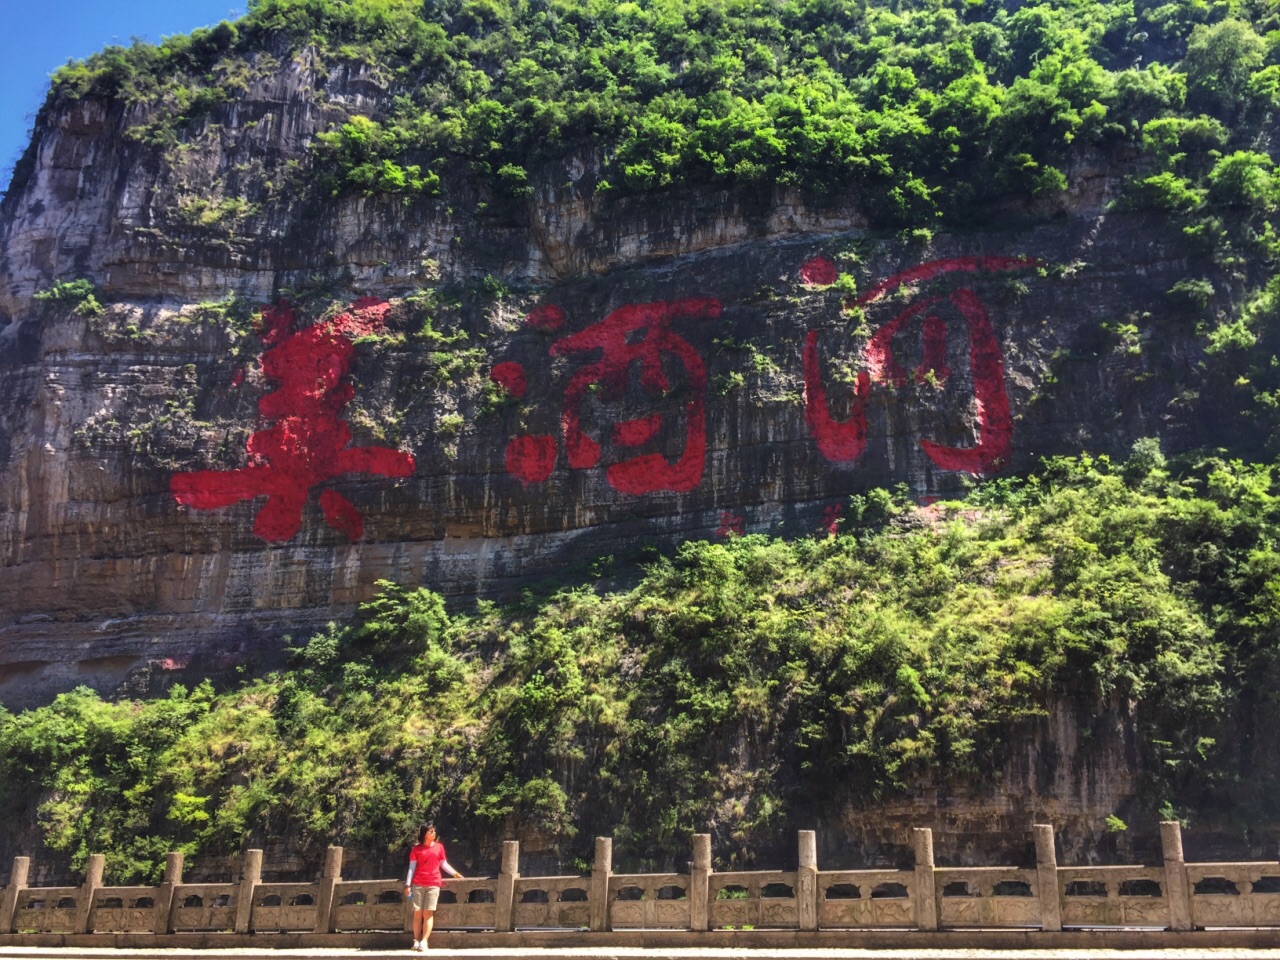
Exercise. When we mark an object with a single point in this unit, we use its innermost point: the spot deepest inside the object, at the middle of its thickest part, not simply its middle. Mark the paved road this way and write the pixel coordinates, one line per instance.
(623, 953)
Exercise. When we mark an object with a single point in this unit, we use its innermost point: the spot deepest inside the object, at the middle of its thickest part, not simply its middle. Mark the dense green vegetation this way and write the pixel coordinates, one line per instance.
(730, 685)
(946, 109)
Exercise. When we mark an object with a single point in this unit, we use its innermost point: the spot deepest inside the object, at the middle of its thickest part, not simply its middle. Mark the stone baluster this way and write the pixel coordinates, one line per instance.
(1047, 879)
(92, 881)
(926, 888)
(1177, 892)
(601, 872)
(9, 900)
(329, 879)
(508, 874)
(250, 877)
(173, 863)
(700, 883)
(807, 880)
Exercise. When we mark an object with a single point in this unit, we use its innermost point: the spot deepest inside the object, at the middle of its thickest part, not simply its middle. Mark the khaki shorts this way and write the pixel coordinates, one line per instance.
(424, 898)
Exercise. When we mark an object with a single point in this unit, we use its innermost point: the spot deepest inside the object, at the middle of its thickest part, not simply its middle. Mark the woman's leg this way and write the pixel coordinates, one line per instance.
(431, 922)
(419, 920)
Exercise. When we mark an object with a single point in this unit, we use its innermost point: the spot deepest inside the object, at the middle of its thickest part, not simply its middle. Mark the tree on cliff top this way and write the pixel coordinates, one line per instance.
(927, 110)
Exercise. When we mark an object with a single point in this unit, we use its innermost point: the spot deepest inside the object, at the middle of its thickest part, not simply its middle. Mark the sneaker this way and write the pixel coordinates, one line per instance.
(422, 946)
(417, 945)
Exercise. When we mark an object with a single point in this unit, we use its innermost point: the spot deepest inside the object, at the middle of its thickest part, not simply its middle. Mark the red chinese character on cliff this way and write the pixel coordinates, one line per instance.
(731, 524)
(639, 337)
(306, 445)
(845, 440)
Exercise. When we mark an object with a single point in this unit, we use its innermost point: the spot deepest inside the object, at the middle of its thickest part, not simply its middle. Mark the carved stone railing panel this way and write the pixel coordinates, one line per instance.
(123, 910)
(992, 897)
(656, 907)
(1125, 897)
(468, 904)
(1234, 894)
(47, 910)
(552, 902)
(284, 906)
(1177, 896)
(866, 898)
(204, 906)
(756, 909)
(368, 905)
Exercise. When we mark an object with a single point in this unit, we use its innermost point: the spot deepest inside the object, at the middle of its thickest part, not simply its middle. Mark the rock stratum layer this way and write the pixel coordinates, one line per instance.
(474, 394)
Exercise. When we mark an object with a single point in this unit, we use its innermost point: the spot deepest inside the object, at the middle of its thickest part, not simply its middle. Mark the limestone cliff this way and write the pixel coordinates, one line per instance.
(569, 375)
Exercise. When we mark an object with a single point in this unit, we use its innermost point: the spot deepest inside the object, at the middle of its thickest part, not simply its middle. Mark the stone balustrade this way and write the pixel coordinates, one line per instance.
(1175, 896)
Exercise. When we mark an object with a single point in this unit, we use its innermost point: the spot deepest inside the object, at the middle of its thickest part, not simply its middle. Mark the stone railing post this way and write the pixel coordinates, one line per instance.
(926, 892)
(173, 863)
(1177, 891)
(601, 871)
(700, 883)
(250, 877)
(807, 880)
(92, 881)
(9, 900)
(1047, 879)
(329, 878)
(508, 874)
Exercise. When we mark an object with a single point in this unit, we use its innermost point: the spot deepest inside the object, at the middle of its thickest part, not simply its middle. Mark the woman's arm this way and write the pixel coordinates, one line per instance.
(447, 867)
(408, 877)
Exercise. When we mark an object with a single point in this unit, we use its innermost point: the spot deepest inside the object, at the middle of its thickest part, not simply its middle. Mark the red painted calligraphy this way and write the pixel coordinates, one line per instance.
(648, 325)
(819, 272)
(636, 433)
(839, 440)
(307, 444)
(530, 459)
(731, 525)
(510, 376)
(845, 440)
(639, 337)
(832, 515)
(545, 317)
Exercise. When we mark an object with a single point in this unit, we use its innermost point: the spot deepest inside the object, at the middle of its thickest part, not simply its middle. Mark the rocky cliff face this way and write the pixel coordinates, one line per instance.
(474, 393)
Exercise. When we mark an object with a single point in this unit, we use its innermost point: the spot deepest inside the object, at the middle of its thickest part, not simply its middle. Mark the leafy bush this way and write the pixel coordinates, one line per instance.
(80, 295)
(357, 148)
(929, 111)
(1164, 191)
(1197, 291)
(1244, 179)
(1220, 61)
(740, 684)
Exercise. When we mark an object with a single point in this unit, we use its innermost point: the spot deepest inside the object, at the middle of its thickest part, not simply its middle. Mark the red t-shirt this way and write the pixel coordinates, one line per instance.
(427, 858)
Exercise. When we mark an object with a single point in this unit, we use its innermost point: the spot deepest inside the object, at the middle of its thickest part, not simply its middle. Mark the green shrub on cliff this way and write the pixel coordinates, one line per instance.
(357, 150)
(927, 110)
(739, 686)
(80, 295)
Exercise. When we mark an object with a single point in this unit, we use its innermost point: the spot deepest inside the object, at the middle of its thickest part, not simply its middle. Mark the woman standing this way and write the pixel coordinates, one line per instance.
(423, 881)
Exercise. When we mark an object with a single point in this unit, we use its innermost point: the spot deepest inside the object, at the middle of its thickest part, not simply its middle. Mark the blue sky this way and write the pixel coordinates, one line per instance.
(38, 36)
